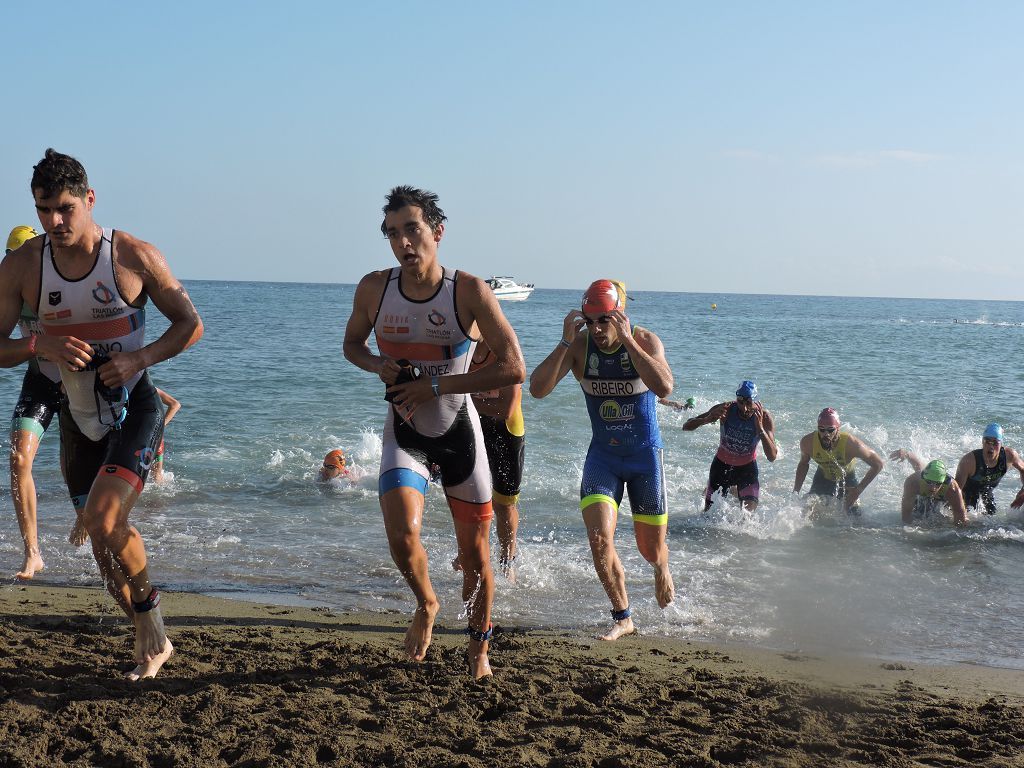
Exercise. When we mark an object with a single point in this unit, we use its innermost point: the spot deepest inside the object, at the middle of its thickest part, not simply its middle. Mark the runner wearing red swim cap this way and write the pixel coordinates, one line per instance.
(622, 371)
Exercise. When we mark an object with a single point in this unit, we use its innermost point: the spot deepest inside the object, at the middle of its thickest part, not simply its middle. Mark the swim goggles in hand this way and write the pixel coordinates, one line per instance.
(112, 401)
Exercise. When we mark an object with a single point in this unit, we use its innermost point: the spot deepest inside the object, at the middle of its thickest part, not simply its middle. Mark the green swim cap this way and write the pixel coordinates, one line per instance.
(935, 472)
(690, 401)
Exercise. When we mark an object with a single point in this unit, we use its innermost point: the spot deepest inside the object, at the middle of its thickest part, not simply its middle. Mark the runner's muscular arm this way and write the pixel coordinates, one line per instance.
(901, 454)
(360, 326)
(715, 413)
(143, 270)
(804, 464)
(767, 427)
(955, 499)
(171, 405)
(1013, 459)
(562, 358)
(496, 403)
(508, 368)
(859, 450)
(909, 497)
(648, 356)
(19, 278)
(12, 351)
(965, 468)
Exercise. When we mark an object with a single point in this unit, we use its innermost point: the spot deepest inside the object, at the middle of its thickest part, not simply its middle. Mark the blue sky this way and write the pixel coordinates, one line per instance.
(847, 148)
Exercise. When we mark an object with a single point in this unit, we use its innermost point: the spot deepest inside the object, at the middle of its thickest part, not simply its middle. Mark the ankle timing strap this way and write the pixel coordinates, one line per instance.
(148, 604)
(625, 613)
(480, 637)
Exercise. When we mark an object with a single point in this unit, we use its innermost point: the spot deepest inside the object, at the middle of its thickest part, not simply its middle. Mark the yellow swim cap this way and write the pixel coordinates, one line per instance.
(18, 236)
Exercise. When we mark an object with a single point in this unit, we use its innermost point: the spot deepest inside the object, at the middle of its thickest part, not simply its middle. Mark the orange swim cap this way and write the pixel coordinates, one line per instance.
(335, 459)
(604, 296)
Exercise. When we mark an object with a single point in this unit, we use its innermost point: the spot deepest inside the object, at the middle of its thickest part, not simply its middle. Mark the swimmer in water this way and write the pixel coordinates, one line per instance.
(744, 424)
(333, 468)
(835, 451)
(980, 471)
(928, 490)
(687, 406)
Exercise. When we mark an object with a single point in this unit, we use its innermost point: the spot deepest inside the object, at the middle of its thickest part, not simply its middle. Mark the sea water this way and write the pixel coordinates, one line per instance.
(267, 393)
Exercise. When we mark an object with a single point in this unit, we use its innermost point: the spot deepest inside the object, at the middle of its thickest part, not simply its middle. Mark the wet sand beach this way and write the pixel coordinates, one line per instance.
(263, 685)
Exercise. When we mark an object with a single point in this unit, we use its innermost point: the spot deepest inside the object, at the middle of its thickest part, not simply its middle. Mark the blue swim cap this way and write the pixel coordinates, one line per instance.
(747, 389)
(993, 430)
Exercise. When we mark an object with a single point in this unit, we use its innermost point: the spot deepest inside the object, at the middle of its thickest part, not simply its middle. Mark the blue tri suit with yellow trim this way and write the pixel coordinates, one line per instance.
(625, 451)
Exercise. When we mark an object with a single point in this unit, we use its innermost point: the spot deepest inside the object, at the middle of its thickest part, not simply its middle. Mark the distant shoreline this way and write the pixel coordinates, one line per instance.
(539, 288)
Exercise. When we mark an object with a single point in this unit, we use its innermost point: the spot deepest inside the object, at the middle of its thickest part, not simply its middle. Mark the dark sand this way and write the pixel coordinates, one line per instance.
(257, 685)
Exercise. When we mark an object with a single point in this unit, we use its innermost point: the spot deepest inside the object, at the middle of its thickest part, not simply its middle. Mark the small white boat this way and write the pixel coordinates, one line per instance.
(507, 289)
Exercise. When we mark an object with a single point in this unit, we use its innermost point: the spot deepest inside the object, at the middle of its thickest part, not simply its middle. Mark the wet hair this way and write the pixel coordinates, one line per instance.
(57, 173)
(403, 196)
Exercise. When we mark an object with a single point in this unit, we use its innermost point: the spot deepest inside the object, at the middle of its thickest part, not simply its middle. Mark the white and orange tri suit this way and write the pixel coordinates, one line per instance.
(100, 434)
(445, 431)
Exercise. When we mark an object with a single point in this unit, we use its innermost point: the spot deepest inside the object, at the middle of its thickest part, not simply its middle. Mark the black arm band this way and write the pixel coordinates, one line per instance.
(148, 604)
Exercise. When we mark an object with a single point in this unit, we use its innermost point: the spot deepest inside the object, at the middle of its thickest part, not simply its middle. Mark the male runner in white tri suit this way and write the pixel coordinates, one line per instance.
(430, 317)
(88, 286)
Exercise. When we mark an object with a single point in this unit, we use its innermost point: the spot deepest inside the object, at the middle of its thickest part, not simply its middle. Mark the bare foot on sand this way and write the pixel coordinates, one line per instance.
(151, 667)
(151, 644)
(620, 628)
(479, 665)
(78, 535)
(33, 564)
(664, 589)
(417, 637)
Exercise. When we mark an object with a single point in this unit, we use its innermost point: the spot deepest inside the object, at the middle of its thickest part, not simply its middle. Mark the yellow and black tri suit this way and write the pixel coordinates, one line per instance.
(834, 473)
